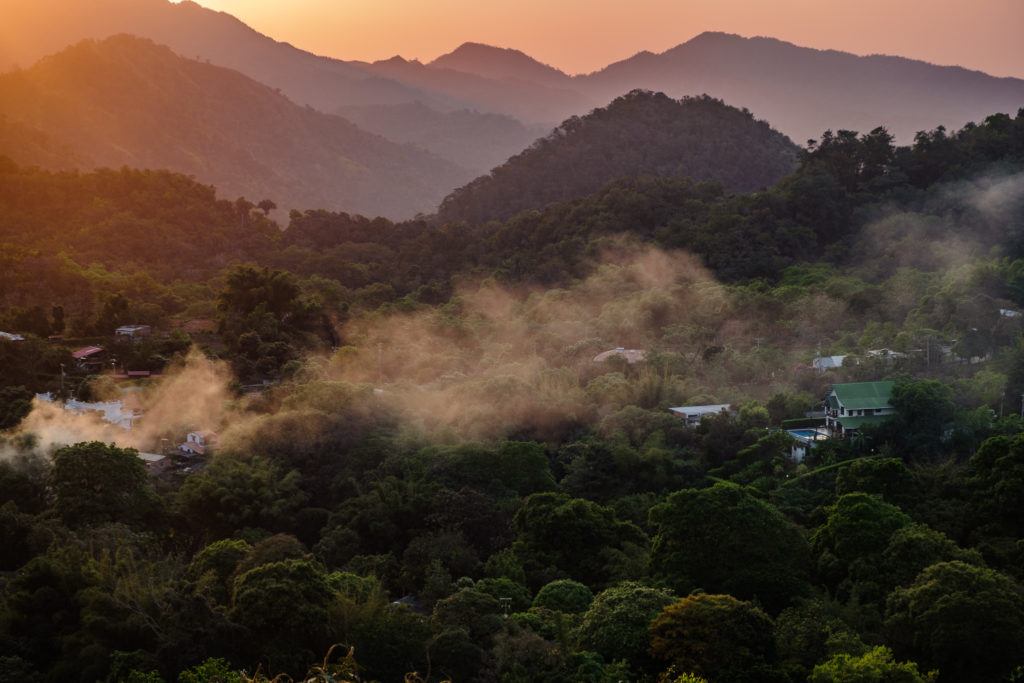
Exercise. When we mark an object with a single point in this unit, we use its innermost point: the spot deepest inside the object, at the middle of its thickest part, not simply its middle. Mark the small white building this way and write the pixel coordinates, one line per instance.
(631, 356)
(804, 441)
(133, 332)
(825, 363)
(112, 412)
(694, 414)
(10, 336)
(198, 443)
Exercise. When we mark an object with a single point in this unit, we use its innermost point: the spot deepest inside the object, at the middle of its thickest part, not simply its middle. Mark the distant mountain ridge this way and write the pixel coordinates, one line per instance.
(804, 91)
(639, 134)
(500, 63)
(127, 101)
(801, 91)
(471, 139)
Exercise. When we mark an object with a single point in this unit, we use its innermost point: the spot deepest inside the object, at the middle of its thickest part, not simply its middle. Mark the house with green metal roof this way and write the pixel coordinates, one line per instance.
(848, 407)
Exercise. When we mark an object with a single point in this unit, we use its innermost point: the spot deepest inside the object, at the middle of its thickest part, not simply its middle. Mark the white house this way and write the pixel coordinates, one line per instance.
(804, 440)
(848, 407)
(10, 336)
(694, 414)
(112, 412)
(198, 443)
(133, 332)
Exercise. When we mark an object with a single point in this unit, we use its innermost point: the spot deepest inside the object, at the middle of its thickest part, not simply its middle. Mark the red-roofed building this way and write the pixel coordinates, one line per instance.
(89, 357)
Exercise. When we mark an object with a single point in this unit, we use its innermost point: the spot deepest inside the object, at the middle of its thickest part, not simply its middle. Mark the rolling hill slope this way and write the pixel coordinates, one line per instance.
(128, 102)
(640, 134)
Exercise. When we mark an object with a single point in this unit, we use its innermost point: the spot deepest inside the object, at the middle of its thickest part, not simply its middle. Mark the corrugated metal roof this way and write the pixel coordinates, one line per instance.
(701, 410)
(859, 395)
(85, 352)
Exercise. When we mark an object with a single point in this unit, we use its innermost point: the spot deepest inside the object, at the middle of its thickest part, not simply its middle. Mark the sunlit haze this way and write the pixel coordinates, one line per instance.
(584, 35)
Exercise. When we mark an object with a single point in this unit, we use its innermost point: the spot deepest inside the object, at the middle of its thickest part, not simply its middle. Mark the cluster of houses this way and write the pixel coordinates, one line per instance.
(197, 443)
(848, 408)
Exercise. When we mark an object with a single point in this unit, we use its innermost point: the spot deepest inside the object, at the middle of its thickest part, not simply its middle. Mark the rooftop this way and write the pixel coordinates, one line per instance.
(858, 395)
(701, 410)
(86, 352)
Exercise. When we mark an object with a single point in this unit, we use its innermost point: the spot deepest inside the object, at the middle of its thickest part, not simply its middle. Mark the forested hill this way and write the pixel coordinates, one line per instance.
(639, 134)
(127, 101)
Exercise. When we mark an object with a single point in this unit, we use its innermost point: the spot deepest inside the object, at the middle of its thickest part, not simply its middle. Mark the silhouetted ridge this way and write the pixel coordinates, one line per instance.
(639, 134)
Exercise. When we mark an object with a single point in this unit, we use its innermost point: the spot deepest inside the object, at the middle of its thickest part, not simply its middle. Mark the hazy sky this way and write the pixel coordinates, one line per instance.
(583, 35)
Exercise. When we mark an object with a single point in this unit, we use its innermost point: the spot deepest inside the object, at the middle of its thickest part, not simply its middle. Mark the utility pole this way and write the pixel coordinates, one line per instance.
(62, 380)
(380, 366)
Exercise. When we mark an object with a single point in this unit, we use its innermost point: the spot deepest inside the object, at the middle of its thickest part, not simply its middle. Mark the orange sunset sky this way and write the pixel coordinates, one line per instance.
(583, 35)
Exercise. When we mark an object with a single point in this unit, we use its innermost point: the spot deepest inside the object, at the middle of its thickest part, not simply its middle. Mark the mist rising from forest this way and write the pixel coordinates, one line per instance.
(498, 357)
(191, 396)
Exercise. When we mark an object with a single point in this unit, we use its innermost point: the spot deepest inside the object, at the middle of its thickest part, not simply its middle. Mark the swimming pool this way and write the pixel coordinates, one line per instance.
(807, 434)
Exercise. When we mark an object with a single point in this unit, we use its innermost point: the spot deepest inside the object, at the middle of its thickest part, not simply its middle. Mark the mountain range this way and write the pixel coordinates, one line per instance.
(126, 101)
(802, 91)
(468, 110)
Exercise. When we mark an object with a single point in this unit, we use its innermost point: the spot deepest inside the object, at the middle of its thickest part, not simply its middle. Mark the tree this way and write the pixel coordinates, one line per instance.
(716, 636)
(266, 206)
(924, 411)
(618, 621)
(996, 477)
(851, 541)
(213, 568)
(586, 541)
(285, 608)
(213, 670)
(15, 404)
(885, 477)
(916, 547)
(875, 666)
(725, 540)
(94, 483)
(966, 621)
(564, 595)
(231, 494)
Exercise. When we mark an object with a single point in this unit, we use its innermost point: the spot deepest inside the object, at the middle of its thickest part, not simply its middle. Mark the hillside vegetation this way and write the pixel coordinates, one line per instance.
(128, 102)
(639, 134)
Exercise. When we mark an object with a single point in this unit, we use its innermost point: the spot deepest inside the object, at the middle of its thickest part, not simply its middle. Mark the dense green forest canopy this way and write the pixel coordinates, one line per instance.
(441, 476)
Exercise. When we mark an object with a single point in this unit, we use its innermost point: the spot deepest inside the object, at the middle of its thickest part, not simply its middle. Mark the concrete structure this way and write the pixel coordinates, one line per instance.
(848, 407)
(694, 414)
